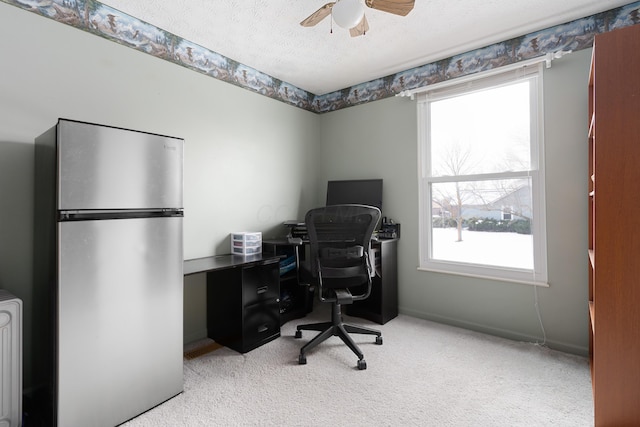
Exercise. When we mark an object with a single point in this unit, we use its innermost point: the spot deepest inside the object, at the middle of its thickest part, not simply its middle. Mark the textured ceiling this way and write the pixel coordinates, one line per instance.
(266, 34)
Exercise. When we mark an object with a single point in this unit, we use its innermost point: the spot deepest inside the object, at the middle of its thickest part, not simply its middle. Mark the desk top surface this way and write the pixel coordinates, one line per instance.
(220, 262)
(284, 241)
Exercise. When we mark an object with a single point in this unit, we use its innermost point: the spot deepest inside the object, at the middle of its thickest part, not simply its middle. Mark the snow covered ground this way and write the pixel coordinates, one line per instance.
(483, 247)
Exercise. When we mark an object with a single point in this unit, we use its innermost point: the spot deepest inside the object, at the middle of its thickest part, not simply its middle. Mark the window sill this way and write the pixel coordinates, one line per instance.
(486, 277)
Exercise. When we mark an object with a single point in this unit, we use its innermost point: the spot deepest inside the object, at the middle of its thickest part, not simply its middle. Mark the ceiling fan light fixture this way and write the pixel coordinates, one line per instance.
(347, 13)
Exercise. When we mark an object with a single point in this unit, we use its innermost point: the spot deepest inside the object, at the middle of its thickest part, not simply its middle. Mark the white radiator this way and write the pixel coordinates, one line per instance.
(10, 360)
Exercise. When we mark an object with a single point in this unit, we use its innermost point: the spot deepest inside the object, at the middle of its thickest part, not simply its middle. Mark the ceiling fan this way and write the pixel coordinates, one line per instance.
(350, 13)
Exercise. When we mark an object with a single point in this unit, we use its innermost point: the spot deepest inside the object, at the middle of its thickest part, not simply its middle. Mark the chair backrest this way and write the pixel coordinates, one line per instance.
(339, 239)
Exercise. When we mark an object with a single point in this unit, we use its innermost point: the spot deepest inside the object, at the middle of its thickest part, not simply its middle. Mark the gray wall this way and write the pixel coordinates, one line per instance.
(383, 135)
(252, 162)
(249, 160)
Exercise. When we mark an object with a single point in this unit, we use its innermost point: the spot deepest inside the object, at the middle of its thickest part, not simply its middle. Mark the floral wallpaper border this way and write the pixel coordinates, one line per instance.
(104, 21)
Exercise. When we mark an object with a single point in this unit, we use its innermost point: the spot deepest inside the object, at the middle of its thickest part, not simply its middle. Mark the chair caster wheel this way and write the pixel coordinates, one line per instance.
(298, 334)
(362, 365)
(302, 360)
(379, 340)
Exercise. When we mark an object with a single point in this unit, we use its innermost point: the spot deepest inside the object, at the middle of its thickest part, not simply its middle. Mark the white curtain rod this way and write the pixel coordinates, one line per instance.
(544, 58)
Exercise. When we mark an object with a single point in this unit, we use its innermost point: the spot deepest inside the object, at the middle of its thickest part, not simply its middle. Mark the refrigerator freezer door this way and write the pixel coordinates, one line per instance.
(119, 348)
(102, 168)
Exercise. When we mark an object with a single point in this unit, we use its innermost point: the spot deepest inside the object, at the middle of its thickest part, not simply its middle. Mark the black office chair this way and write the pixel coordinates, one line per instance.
(339, 239)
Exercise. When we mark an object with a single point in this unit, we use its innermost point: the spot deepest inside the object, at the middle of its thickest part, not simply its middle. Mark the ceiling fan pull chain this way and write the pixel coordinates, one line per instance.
(331, 25)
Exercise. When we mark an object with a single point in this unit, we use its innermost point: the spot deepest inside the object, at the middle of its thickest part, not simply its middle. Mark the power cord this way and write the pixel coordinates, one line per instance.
(537, 306)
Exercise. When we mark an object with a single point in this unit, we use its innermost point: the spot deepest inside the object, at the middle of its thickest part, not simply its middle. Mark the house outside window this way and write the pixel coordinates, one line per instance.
(506, 214)
(482, 177)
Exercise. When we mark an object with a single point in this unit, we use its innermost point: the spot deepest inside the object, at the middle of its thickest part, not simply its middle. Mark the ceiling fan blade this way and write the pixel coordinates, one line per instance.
(318, 15)
(360, 29)
(397, 7)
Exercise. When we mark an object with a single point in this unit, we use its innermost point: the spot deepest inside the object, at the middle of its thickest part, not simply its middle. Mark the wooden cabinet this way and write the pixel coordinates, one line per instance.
(614, 226)
(382, 304)
(243, 307)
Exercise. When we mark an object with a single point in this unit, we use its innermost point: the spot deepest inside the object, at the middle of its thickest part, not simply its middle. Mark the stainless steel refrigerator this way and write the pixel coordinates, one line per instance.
(108, 244)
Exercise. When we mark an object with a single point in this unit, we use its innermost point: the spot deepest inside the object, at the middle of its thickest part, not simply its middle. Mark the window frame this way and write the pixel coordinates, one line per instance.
(465, 85)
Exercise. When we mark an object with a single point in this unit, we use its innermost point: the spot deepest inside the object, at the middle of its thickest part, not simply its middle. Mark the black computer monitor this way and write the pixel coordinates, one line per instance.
(358, 191)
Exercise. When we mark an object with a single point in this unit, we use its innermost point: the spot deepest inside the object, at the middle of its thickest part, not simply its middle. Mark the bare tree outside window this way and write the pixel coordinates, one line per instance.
(456, 161)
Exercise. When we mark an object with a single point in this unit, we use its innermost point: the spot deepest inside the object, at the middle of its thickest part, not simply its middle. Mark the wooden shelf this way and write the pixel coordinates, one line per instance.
(614, 288)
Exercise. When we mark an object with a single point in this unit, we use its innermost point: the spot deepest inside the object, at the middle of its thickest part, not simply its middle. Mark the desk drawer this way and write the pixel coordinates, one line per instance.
(261, 324)
(260, 284)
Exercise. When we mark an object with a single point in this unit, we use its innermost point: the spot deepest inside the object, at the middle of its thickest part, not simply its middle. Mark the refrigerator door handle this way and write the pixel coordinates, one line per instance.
(86, 215)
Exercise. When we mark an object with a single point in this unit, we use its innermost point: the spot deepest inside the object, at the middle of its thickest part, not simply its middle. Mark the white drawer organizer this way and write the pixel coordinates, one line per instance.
(246, 243)
(10, 360)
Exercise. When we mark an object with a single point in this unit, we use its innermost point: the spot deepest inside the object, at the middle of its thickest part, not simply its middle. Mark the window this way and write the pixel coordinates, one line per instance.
(482, 177)
(506, 214)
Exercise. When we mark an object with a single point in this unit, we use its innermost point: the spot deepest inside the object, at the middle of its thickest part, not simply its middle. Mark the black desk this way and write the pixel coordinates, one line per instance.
(380, 307)
(382, 304)
(296, 295)
(243, 299)
(220, 262)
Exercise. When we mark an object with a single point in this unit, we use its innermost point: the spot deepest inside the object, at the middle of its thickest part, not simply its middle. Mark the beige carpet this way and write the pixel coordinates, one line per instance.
(425, 374)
